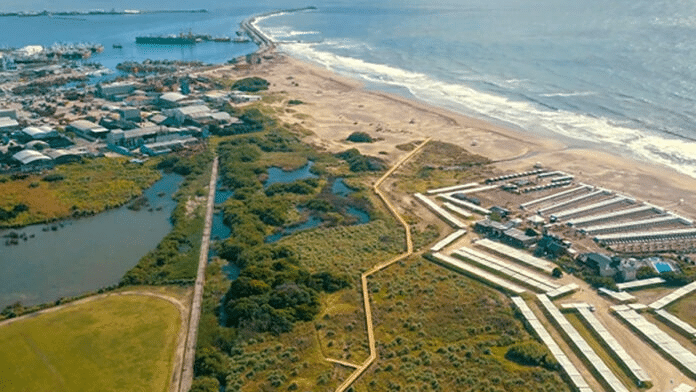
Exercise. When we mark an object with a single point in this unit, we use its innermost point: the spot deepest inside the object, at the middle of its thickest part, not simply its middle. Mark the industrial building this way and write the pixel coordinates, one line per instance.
(8, 124)
(155, 134)
(30, 160)
(115, 91)
(88, 130)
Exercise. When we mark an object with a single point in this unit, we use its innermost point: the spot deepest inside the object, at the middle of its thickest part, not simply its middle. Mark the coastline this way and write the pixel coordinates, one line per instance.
(335, 106)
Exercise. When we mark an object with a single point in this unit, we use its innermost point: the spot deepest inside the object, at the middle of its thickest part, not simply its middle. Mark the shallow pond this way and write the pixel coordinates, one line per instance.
(276, 174)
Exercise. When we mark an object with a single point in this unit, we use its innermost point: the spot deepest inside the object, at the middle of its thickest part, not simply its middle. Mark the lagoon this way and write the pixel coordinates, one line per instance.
(85, 254)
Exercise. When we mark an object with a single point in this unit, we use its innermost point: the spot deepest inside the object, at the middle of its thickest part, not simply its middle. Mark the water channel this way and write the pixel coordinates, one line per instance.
(84, 254)
(219, 231)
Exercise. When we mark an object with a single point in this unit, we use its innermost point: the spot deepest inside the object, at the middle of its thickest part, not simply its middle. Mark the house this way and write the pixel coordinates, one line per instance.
(552, 245)
(32, 160)
(490, 228)
(602, 264)
(88, 129)
(517, 238)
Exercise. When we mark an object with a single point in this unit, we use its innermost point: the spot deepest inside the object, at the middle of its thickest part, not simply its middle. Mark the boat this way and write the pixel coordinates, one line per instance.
(181, 39)
(241, 40)
(222, 39)
(117, 46)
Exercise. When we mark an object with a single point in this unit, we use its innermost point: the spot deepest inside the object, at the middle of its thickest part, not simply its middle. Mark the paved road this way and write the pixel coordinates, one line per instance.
(192, 335)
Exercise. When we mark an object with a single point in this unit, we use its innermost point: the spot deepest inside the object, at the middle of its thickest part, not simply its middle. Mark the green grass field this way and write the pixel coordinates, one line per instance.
(123, 343)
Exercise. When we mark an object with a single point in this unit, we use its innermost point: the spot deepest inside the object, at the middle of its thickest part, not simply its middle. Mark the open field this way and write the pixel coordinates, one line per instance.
(115, 343)
(88, 187)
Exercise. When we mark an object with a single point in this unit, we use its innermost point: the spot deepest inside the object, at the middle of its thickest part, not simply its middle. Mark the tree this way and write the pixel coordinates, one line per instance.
(556, 273)
(211, 363)
(205, 384)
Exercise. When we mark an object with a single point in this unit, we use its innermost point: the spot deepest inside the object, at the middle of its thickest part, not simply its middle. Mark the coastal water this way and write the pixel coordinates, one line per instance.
(85, 254)
(620, 74)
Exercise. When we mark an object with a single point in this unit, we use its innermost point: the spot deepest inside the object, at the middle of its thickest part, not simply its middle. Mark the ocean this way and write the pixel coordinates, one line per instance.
(617, 75)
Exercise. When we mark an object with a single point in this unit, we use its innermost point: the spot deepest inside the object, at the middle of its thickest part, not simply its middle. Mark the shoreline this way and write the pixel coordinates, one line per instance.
(336, 105)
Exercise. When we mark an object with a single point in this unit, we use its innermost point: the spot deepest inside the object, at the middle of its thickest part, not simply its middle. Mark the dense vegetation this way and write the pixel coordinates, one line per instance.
(532, 353)
(361, 163)
(275, 291)
(76, 189)
(360, 137)
(253, 84)
(175, 259)
(440, 331)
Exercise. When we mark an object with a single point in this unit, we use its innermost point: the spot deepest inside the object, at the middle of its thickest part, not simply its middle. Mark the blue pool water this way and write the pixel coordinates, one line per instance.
(661, 267)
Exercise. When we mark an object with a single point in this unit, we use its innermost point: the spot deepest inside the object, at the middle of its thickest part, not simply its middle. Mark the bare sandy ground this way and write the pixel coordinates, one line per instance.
(335, 106)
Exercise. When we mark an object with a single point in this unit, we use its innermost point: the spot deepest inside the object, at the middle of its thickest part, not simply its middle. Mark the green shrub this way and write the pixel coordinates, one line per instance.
(531, 353)
(360, 137)
(252, 84)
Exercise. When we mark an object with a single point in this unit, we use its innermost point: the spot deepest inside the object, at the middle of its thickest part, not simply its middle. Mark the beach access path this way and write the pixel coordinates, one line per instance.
(192, 332)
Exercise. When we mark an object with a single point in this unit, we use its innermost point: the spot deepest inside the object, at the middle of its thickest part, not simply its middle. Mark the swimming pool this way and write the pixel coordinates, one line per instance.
(661, 266)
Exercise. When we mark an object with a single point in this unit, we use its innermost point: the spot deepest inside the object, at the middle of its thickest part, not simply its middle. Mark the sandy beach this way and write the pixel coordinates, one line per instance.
(335, 106)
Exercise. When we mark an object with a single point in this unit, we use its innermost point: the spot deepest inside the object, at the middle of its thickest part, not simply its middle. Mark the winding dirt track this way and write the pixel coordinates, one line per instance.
(365, 293)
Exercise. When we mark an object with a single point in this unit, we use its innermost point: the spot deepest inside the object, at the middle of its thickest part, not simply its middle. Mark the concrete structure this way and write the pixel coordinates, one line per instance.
(555, 196)
(516, 255)
(452, 188)
(88, 130)
(675, 322)
(633, 225)
(463, 203)
(646, 236)
(448, 240)
(620, 297)
(582, 347)
(673, 296)
(459, 211)
(588, 209)
(640, 284)
(615, 216)
(510, 270)
(571, 202)
(669, 347)
(477, 273)
(639, 376)
(570, 370)
(439, 211)
(563, 290)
